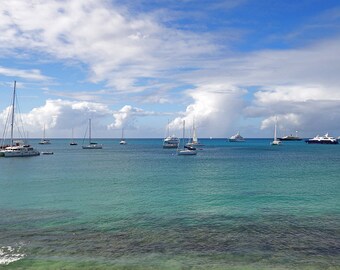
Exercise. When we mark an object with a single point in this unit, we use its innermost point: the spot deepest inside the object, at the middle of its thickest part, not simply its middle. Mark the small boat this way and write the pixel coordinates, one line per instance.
(170, 141)
(73, 142)
(122, 141)
(187, 150)
(275, 141)
(47, 153)
(91, 145)
(326, 139)
(17, 148)
(44, 140)
(236, 138)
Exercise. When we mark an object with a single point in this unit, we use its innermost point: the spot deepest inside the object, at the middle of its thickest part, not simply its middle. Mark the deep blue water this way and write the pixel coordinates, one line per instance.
(233, 206)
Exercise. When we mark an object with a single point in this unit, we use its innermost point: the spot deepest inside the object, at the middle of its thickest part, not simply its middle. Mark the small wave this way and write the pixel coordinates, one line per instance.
(10, 254)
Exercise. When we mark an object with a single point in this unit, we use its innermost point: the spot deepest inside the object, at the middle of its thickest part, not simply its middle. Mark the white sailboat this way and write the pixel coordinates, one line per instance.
(194, 141)
(275, 141)
(44, 140)
(122, 141)
(187, 150)
(17, 148)
(73, 142)
(91, 145)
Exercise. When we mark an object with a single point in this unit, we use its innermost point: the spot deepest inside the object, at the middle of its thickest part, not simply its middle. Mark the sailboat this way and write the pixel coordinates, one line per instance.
(73, 142)
(275, 141)
(122, 141)
(17, 148)
(44, 140)
(194, 141)
(91, 145)
(187, 150)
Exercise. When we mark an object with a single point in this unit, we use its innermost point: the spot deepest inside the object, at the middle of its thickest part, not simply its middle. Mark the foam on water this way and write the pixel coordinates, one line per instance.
(9, 254)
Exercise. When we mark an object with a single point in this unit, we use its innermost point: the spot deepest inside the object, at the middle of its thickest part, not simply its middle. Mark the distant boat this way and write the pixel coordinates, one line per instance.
(91, 145)
(187, 150)
(290, 138)
(122, 141)
(17, 148)
(44, 140)
(73, 142)
(170, 141)
(47, 153)
(275, 141)
(326, 139)
(194, 141)
(236, 138)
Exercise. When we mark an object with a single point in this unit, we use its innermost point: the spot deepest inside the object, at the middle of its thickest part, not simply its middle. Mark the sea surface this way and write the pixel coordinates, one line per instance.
(233, 206)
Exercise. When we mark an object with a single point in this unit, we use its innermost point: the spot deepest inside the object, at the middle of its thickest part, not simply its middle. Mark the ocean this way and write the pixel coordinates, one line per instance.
(233, 206)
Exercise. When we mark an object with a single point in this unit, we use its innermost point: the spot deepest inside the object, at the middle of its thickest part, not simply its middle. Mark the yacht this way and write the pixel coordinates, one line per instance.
(186, 150)
(122, 141)
(290, 137)
(236, 138)
(170, 141)
(91, 145)
(73, 142)
(194, 140)
(44, 140)
(275, 141)
(17, 148)
(326, 139)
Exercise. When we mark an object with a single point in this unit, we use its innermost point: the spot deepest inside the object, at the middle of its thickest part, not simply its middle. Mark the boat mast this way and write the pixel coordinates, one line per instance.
(90, 131)
(183, 133)
(275, 129)
(12, 120)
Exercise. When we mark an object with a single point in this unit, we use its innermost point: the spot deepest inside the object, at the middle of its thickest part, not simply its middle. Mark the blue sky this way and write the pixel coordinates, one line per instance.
(231, 65)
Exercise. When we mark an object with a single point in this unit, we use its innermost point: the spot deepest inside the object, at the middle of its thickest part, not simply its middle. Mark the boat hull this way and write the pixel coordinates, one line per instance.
(322, 142)
(92, 146)
(170, 145)
(19, 154)
(186, 152)
(289, 139)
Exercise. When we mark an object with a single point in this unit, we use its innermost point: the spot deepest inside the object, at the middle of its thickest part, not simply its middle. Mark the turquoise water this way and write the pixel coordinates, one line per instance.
(233, 206)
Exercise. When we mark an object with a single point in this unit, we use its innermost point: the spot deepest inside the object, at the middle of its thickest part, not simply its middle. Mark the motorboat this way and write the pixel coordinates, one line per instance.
(326, 139)
(290, 137)
(171, 142)
(236, 138)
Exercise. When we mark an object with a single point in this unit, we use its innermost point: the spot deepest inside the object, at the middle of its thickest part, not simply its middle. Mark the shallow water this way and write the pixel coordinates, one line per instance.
(233, 206)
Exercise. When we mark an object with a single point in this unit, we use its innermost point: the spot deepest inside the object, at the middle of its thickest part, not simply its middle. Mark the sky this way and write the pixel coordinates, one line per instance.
(227, 65)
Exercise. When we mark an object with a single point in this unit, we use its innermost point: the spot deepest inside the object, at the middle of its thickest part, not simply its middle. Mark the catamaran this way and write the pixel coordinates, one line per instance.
(17, 148)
